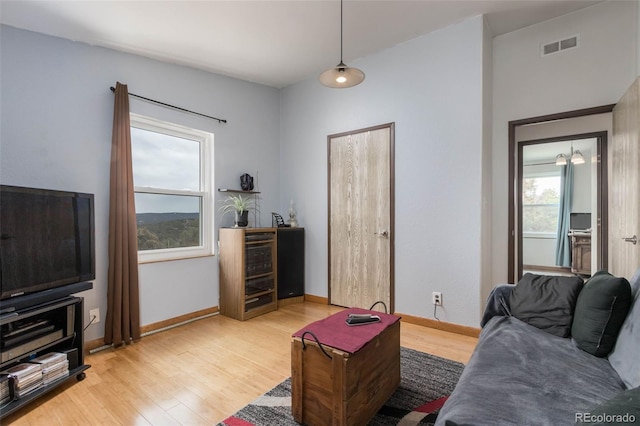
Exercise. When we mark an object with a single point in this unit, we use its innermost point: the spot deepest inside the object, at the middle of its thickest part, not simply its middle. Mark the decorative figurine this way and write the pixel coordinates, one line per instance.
(246, 182)
(293, 222)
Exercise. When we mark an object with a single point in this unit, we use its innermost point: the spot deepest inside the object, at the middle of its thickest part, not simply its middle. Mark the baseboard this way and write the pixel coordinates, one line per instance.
(94, 344)
(411, 319)
(440, 325)
(316, 299)
(177, 320)
(290, 301)
(560, 269)
(425, 322)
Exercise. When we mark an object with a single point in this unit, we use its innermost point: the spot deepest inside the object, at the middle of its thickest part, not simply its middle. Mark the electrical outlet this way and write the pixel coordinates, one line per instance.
(436, 297)
(94, 313)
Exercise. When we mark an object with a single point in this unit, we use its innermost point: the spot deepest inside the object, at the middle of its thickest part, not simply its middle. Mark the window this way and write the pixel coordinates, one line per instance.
(172, 176)
(540, 205)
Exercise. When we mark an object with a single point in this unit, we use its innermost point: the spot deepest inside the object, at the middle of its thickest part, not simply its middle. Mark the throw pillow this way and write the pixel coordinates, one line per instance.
(546, 302)
(622, 409)
(624, 357)
(602, 306)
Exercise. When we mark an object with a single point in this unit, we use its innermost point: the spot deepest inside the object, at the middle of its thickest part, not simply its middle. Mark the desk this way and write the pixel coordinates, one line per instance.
(580, 252)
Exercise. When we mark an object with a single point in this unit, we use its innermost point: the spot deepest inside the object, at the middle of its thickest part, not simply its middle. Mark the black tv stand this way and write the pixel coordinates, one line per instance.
(24, 301)
(52, 326)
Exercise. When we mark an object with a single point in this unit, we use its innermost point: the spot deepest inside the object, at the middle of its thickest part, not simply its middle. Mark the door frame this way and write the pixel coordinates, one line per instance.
(512, 232)
(601, 200)
(391, 127)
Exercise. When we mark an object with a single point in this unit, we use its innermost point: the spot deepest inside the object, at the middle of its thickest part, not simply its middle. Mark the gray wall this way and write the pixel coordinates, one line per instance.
(527, 85)
(451, 94)
(57, 114)
(432, 88)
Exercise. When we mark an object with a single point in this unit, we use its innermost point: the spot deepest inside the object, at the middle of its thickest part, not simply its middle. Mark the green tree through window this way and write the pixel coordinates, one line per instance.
(540, 203)
(172, 174)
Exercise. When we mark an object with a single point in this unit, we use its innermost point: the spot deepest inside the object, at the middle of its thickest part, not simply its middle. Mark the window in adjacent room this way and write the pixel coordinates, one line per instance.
(540, 205)
(172, 175)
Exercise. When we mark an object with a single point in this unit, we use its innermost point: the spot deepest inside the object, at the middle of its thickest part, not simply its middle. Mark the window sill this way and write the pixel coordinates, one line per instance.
(540, 235)
(169, 257)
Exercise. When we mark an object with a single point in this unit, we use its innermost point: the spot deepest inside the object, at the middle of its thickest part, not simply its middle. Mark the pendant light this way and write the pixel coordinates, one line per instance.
(575, 157)
(341, 76)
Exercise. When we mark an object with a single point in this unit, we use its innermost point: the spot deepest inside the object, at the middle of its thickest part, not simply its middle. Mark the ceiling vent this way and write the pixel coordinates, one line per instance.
(560, 45)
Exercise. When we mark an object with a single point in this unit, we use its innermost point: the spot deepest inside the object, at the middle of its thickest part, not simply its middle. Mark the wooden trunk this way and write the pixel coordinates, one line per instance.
(347, 389)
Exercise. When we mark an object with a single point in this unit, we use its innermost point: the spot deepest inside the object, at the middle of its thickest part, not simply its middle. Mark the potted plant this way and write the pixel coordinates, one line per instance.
(240, 206)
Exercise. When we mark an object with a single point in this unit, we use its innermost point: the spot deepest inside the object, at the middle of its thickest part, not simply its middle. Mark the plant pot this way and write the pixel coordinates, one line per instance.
(242, 219)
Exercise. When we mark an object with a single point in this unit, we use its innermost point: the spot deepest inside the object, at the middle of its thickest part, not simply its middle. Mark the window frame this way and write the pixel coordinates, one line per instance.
(536, 175)
(205, 140)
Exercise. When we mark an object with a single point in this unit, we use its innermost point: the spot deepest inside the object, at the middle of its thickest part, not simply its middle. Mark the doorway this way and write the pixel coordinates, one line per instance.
(588, 118)
(361, 220)
(561, 201)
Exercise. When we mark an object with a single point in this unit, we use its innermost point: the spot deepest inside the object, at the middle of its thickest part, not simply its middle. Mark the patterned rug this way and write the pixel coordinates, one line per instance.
(426, 382)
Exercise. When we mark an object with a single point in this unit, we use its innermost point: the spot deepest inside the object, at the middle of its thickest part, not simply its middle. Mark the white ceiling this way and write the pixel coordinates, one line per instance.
(546, 152)
(275, 43)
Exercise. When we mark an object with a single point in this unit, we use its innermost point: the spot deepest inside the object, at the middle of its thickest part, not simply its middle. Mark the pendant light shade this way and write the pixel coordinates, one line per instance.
(577, 157)
(341, 76)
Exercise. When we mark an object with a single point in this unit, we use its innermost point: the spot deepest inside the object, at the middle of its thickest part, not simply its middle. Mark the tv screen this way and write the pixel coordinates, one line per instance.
(46, 239)
(580, 221)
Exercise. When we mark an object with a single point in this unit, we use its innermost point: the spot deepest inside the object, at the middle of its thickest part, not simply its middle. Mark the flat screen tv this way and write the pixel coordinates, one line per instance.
(46, 239)
(580, 221)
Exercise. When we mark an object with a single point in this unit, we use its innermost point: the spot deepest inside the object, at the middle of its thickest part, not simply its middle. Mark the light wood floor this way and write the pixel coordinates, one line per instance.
(200, 373)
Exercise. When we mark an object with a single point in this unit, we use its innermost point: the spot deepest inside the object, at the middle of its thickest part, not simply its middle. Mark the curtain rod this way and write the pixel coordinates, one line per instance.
(220, 120)
(539, 164)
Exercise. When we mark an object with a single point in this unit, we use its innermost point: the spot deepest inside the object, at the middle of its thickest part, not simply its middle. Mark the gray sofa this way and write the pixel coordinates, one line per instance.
(520, 374)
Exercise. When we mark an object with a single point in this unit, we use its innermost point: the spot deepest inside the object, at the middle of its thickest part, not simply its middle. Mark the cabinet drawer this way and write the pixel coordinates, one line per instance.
(258, 260)
(258, 301)
(259, 236)
(258, 285)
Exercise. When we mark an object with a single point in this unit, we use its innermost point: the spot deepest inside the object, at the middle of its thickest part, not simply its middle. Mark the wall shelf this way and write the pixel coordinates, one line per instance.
(256, 200)
(237, 191)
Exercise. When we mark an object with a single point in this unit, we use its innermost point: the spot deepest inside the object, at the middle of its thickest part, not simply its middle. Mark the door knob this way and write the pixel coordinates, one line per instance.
(383, 233)
(633, 240)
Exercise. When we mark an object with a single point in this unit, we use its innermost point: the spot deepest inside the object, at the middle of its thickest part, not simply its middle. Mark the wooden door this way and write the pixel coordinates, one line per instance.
(361, 231)
(624, 192)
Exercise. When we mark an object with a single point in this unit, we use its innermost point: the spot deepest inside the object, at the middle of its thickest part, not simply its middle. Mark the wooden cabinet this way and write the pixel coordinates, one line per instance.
(248, 272)
(580, 252)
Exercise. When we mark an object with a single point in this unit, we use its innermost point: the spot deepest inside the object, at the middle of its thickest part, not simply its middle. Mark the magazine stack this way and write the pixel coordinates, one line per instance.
(5, 392)
(54, 366)
(27, 378)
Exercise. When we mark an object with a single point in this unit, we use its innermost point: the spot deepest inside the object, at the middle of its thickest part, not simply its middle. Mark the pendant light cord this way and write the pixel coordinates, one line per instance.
(341, 76)
(341, 25)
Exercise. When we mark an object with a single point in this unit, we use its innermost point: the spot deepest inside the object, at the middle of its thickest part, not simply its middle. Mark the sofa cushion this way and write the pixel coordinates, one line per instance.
(624, 357)
(601, 308)
(546, 302)
(622, 409)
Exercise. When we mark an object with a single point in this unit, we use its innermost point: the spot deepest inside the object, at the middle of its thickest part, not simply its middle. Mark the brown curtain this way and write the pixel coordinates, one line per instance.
(123, 300)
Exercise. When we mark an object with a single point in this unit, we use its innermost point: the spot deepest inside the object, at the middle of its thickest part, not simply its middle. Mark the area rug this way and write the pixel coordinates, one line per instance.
(426, 383)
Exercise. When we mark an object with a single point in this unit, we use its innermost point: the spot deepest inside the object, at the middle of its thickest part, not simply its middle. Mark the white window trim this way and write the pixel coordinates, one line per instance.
(206, 185)
(540, 235)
